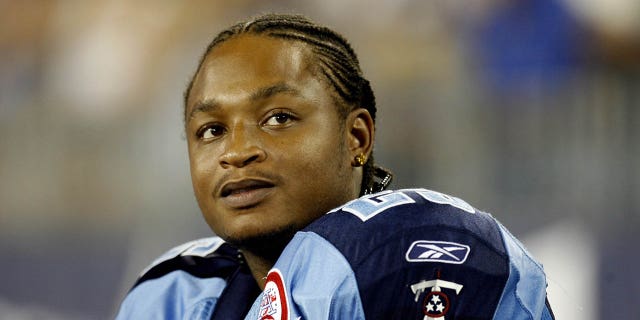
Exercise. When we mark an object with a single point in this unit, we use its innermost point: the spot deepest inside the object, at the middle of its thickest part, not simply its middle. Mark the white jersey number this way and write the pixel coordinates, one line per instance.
(369, 206)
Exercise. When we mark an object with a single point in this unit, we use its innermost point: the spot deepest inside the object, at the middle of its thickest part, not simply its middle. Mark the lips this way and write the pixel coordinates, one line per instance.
(245, 193)
(247, 185)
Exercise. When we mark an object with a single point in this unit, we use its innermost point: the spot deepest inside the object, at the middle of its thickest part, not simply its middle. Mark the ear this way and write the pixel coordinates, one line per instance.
(360, 132)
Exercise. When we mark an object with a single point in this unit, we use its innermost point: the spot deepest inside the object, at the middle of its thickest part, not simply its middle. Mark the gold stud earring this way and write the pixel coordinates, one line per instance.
(360, 160)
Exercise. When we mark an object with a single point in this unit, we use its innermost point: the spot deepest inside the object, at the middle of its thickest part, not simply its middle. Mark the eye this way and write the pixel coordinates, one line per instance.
(210, 132)
(278, 119)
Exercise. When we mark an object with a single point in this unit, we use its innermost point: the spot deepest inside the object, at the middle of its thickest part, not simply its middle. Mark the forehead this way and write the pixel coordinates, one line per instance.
(245, 62)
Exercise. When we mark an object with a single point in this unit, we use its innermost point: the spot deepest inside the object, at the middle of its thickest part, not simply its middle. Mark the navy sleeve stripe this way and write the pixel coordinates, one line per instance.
(220, 263)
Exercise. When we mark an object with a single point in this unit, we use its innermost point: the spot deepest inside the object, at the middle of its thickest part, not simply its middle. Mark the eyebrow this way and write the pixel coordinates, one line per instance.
(204, 106)
(209, 105)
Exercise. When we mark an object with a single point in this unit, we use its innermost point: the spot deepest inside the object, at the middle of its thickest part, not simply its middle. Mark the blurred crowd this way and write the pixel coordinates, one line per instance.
(528, 109)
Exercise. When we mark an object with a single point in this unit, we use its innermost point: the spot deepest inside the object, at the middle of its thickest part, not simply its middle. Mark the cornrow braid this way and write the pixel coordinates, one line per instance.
(337, 62)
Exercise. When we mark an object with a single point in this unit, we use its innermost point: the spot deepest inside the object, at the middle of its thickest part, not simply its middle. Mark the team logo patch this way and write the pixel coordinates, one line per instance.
(274, 303)
(436, 302)
(437, 251)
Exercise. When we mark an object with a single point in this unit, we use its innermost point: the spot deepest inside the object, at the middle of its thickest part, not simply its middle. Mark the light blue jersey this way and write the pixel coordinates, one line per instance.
(408, 254)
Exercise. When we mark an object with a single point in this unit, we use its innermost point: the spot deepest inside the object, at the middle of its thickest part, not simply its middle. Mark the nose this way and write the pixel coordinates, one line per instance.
(243, 147)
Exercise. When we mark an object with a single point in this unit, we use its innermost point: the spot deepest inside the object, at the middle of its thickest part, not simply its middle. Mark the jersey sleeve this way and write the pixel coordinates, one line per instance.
(175, 296)
(525, 291)
(184, 283)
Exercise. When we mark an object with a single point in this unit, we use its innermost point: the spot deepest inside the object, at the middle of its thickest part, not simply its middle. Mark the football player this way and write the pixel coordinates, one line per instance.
(280, 125)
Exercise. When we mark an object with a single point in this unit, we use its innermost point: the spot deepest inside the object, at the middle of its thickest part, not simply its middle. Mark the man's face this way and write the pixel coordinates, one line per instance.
(266, 149)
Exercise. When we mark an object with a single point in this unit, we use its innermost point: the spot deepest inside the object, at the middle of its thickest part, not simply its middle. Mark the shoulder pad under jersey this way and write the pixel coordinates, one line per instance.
(406, 254)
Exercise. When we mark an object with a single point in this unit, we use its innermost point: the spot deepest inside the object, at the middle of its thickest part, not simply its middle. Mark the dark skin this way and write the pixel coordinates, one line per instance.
(268, 150)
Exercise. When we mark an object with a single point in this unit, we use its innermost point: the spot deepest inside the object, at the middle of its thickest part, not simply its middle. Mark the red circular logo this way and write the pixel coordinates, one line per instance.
(274, 304)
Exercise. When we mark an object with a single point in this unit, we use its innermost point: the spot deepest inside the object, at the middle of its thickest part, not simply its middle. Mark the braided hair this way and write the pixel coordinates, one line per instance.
(337, 62)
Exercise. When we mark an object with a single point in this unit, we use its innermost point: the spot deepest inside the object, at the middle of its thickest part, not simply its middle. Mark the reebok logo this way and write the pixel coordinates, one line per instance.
(437, 251)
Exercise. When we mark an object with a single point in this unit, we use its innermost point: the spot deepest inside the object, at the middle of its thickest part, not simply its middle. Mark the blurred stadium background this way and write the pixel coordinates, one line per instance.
(528, 109)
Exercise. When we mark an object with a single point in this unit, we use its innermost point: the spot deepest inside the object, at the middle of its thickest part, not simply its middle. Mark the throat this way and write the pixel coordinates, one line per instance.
(259, 267)
(262, 252)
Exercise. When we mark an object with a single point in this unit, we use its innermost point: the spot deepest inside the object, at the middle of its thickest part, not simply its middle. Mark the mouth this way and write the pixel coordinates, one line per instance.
(245, 193)
(248, 185)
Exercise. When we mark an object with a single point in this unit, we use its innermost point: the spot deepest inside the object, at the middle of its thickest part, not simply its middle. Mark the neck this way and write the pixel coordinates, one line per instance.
(262, 251)
(259, 266)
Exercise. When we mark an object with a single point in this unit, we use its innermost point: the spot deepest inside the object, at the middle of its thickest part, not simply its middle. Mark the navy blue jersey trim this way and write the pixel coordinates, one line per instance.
(546, 301)
(221, 263)
(237, 298)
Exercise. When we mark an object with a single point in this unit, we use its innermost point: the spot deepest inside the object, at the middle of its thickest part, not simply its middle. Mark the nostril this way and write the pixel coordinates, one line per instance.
(250, 159)
(240, 157)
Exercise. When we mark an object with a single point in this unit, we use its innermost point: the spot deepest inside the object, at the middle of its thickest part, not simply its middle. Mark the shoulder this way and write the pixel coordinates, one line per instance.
(392, 218)
(414, 252)
(186, 280)
(201, 258)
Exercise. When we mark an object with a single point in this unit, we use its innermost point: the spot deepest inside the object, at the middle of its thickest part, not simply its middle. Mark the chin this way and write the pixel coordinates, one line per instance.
(263, 242)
